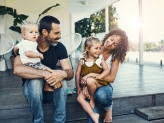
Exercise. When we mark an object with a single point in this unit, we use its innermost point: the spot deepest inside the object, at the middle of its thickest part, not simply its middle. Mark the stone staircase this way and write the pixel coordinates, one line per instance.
(125, 110)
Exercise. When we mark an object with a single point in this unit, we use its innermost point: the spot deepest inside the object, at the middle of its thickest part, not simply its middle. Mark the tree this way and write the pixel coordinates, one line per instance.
(161, 46)
(83, 27)
(150, 46)
(97, 20)
(96, 23)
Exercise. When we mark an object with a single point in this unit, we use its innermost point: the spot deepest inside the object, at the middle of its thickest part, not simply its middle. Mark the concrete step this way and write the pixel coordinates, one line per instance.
(132, 118)
(121, 106)
(151, 113)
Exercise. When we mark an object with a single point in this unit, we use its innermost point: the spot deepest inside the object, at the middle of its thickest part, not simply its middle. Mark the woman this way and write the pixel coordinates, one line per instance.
(114, 48)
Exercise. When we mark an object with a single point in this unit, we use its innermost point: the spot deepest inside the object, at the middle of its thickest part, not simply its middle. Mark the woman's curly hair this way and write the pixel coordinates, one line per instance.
(120, 51)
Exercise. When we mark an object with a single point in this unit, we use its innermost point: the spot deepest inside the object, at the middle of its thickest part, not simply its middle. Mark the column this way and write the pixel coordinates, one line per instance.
(140, 33)
(106, 20)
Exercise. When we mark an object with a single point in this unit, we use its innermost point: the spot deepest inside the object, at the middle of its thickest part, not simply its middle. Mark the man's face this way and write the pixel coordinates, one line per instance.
(54, 34)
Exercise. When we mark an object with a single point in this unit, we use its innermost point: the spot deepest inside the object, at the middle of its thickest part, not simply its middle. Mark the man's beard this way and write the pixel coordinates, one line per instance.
(51, 41)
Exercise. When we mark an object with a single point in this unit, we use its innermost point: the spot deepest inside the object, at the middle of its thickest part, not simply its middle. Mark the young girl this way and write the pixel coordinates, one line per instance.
(28, 49)
(91, 62)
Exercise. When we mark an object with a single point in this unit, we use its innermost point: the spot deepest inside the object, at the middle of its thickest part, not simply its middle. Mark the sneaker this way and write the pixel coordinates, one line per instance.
(69, 92)
(74, 90)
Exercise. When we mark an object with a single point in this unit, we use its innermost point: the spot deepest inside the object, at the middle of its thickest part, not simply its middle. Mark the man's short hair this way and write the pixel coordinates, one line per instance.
(46, 23)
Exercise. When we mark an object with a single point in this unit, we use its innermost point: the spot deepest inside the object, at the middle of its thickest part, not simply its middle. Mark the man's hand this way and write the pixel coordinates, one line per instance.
(58, 85)
(54, 78)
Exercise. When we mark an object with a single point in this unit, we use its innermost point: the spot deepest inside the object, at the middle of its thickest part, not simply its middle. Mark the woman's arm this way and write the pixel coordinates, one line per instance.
(113, 72)
(78, 77)
(105, 69)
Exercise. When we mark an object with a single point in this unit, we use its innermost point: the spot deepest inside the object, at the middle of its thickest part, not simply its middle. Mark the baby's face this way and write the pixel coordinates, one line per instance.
(31, 33)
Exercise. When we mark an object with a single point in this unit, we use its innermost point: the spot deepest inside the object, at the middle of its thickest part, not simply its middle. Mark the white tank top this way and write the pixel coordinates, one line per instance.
(108, 62)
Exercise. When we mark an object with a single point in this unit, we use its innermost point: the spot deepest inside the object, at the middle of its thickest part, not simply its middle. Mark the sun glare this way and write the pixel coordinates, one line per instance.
(134, 23)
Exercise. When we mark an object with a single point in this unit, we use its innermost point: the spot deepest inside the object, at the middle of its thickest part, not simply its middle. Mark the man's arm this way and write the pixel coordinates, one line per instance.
(16, 50)
(57, 76)
(26, 71)
(66, 66)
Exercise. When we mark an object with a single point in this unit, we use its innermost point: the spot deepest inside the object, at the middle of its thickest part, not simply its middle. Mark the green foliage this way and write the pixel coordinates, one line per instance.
(5, 10)
(46, 10)
(150, 46)
(83, 27)
(96, 23)
(19, 18)
(97, 20)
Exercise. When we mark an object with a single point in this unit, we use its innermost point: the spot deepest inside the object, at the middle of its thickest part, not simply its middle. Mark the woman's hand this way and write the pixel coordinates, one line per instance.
(84, 80)
(78, 89)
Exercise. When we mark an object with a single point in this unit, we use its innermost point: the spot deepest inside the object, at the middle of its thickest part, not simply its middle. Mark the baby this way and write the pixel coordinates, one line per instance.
(29, 54)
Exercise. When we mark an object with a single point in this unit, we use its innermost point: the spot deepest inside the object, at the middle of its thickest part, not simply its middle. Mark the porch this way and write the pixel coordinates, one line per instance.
(135, 87)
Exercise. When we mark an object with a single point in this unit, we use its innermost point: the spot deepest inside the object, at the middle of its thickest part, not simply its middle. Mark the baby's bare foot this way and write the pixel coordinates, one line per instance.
(92, 103)
(108, 116)
(95, 117)
(48, 88)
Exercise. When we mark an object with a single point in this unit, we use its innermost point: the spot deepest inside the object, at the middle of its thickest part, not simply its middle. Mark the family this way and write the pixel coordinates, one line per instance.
(39, 51)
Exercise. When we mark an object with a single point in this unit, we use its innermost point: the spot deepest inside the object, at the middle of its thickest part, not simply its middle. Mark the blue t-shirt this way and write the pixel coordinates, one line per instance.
(53, 54)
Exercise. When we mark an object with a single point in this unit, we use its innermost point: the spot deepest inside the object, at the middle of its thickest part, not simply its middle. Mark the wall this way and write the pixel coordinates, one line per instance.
(33, 8)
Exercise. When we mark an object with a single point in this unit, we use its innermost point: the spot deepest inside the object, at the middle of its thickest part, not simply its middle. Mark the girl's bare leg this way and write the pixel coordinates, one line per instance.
(92, 85)
(108, 116)
(86, 106)
(47, 87)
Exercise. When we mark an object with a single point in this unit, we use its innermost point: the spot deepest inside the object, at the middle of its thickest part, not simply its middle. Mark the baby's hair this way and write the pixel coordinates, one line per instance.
(89, 43)
(25, 25)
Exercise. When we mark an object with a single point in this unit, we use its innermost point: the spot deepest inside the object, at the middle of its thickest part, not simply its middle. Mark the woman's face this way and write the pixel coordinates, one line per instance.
(112, 42)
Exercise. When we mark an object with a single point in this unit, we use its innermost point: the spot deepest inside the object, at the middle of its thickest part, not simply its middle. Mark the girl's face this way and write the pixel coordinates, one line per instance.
(31, 33)
(112, 42)
(94, 51)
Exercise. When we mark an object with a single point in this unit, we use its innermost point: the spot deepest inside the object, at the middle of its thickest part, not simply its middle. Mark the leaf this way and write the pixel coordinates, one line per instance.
(9, 10)
(15, 13)
(6, 10)
(46, 10)
(22, 16)
(18, 20)
(15, 22)
(2, 10)
(16, 29)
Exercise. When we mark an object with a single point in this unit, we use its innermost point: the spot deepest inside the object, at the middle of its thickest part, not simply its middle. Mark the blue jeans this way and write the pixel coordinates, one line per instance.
(103, 97)
(33, 92)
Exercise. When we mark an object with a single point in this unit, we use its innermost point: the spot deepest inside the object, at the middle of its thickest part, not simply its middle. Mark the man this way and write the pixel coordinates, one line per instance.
(49, 29)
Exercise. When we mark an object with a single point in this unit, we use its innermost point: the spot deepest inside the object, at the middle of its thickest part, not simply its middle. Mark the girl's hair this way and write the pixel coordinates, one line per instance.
(120, 51)
(89, 43)
(26, 25)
